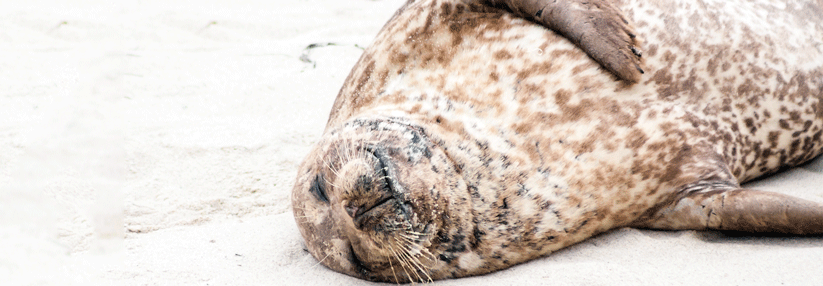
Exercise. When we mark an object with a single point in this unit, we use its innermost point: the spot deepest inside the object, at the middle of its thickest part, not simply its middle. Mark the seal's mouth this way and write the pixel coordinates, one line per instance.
(386, 197)
(364, 217)
(357, 212)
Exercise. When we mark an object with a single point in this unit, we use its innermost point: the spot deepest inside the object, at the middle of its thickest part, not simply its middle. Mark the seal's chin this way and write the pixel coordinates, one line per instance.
(364, 202)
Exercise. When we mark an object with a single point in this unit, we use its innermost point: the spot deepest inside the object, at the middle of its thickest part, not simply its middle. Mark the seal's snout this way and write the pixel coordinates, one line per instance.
(365, 192)
(365, 201)
(366, 215)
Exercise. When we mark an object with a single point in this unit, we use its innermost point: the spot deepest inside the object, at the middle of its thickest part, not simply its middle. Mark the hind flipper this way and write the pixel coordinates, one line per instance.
(740, 210)
(598, 27)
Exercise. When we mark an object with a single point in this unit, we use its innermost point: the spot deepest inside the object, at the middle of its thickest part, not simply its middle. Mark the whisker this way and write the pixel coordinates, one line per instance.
(321, 260)
(419, 234)
(391, 249)
(412, 261)
(421, 252)
(404, 264)
(330, 167)
(409, 259)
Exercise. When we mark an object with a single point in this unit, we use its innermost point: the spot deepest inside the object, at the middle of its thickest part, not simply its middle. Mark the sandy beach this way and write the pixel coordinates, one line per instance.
(156, 143)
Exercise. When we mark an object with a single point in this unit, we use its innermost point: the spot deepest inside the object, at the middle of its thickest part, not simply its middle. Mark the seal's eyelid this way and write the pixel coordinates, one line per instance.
(318, 189)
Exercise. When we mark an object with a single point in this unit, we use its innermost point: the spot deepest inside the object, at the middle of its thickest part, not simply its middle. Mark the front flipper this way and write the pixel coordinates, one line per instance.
(596, 26)
(739, 210)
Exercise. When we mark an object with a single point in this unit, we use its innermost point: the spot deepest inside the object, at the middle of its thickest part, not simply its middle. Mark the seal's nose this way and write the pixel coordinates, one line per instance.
(355, 210)
(365, 191)
(351, 209)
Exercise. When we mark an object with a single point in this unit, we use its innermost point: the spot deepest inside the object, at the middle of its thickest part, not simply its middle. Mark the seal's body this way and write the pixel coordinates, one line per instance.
(467, 139)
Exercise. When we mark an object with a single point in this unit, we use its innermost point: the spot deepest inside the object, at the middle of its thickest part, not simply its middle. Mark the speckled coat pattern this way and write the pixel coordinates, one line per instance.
(529, 146)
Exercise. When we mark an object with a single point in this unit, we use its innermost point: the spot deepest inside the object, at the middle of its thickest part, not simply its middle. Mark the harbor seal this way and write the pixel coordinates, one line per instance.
(468, 139)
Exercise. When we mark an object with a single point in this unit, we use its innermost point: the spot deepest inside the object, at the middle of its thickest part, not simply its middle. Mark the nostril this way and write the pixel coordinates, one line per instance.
(351, 209)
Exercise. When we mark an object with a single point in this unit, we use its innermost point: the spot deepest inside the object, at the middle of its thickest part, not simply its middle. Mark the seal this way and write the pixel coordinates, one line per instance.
(469, 138)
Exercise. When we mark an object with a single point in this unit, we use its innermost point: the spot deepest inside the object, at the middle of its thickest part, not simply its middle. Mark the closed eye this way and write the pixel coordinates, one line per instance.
(318, 189)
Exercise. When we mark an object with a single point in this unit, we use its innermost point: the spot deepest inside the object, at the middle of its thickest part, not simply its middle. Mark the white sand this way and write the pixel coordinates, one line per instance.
(148, 143)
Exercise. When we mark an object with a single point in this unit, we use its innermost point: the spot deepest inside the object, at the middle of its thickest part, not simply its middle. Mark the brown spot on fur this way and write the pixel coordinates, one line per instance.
(562, 96)
(494, 76)
(637, 139)
(502, 55)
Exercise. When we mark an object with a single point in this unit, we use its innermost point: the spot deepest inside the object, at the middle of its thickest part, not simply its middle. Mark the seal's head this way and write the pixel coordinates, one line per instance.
(377, 199)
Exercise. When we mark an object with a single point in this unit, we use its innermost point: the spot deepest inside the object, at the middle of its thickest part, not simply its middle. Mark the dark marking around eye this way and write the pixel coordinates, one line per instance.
(318, 189)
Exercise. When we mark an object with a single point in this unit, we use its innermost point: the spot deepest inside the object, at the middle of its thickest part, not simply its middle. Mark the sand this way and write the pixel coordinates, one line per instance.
(155, 143)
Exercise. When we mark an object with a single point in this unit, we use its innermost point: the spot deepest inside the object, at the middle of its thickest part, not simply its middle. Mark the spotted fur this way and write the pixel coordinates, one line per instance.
(503, 142)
